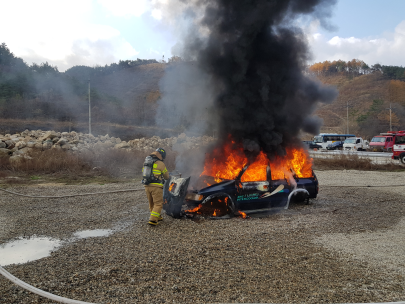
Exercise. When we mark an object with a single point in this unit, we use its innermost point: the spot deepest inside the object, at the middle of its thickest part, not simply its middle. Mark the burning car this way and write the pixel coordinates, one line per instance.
(258, 187)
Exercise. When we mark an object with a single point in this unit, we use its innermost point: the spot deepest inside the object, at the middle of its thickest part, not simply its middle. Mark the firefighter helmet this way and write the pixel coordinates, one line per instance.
(162, 152)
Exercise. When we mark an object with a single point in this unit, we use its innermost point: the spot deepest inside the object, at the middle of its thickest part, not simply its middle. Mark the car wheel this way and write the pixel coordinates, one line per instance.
(220, 206)
(402, 158)
(217, 205)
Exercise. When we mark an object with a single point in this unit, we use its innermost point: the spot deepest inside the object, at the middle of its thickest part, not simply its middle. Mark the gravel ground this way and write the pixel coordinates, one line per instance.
(346, 246)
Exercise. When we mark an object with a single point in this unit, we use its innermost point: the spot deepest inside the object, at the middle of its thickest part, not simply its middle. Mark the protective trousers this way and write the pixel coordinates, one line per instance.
(155, 198)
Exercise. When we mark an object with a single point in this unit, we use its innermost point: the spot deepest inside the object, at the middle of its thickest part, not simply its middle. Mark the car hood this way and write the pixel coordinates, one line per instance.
(221, 186)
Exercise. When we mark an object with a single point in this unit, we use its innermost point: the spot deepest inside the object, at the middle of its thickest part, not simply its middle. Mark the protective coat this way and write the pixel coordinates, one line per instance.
(154, 191)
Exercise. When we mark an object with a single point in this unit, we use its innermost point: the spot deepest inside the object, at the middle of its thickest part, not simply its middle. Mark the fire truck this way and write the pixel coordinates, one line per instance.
(399, 145)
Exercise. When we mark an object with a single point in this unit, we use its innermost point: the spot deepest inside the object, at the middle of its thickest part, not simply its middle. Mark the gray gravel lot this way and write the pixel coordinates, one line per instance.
(344, 247)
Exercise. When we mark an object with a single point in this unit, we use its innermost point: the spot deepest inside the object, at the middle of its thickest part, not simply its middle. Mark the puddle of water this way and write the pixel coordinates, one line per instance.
(92, 233)
(24, 250)
(35, 248)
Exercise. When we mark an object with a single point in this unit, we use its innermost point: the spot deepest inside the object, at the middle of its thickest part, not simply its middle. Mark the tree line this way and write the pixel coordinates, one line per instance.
(83, 73)
(40, 91)
(356, 67)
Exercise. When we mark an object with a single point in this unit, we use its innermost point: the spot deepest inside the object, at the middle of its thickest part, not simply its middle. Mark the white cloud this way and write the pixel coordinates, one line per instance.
(157, 14)
(337, 41)
(387, 49)
(58, 32)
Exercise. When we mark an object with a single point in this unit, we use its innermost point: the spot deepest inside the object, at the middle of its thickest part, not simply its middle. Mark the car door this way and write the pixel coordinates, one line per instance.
(389, 143)
(249, 195)
(256, 195)
(358, 144)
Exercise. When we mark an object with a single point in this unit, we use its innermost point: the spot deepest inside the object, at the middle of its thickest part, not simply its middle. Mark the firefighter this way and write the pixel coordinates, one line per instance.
(153, 183)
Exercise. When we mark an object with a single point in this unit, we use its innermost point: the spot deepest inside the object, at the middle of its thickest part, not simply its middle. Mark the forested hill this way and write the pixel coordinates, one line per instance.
(367, 92)
(126, 93)
(121, 93)
(85, 73)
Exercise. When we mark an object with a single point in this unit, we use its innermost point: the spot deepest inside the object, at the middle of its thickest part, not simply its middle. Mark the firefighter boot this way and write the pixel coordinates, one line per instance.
(160, 218)
(154, 218)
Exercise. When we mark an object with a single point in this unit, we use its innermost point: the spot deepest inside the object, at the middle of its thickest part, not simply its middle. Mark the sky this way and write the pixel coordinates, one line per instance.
(98, 32)
(369, 30)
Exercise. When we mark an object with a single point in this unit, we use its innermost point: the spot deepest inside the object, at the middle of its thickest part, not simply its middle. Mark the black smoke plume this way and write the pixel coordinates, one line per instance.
(256, 58)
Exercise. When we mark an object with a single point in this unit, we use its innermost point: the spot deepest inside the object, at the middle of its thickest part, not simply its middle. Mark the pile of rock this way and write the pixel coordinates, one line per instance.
(17, 145)
(182, 142)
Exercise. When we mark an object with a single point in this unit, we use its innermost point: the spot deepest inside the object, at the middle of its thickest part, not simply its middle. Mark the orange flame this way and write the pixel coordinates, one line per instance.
(195, 209)
(242, 214)
(227, 162)
(208, 184)
(214, 208)
(171, 186)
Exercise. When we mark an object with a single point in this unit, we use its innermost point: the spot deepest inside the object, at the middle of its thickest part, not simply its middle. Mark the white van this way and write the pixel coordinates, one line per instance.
(356, 144)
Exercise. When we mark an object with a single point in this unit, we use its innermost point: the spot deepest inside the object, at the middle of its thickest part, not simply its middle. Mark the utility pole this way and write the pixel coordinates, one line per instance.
(390, 108)
(347, 116)
(89, 111)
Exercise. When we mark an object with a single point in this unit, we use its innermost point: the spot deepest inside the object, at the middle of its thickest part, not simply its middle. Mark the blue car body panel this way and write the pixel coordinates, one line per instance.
(335, 145)
(252, 196)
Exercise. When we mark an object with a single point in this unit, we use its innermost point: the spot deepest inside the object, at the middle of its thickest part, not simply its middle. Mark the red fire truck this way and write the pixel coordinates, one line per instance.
(399, 146)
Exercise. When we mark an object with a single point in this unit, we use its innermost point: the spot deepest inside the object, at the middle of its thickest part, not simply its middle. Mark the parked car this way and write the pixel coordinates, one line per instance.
(311, 145)
(356, 144)
(325, 139)
(382, 142)
(337, 145)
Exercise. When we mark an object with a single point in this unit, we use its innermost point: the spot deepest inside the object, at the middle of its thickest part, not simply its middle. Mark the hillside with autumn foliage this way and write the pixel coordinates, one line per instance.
(125, 96)
(365, 95)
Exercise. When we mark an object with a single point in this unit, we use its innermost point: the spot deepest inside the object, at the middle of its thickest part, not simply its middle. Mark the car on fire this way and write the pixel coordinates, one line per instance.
(227, 198)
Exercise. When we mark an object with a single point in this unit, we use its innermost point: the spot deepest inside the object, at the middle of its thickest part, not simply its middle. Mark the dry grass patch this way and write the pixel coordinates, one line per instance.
(49, 161)
(115, 162)
(353, 162)
(90, 163)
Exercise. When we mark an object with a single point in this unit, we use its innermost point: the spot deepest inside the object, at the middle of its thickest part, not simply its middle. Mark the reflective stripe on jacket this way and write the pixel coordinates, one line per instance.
(159, 170)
